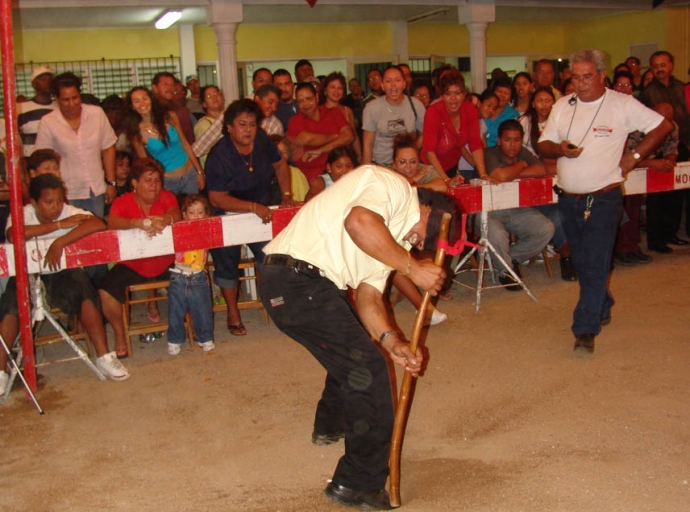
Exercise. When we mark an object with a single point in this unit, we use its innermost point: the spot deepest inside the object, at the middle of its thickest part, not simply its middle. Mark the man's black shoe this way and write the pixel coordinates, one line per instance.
(641, 257)
(516, 268)
(510, 284)
(326, 439)
(661, 249)
(568, 272)
(627, 259)
(366, 500)
(584, 342)
(678, 241)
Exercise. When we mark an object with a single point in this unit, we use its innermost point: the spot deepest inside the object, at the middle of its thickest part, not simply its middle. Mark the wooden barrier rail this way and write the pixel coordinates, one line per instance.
(236, 229)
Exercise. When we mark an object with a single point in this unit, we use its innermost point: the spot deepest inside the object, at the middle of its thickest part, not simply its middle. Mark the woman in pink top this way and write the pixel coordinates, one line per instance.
(449, 125)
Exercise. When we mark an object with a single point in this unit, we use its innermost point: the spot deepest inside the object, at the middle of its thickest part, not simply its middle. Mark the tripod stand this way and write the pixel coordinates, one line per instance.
(487, 250)
(40, 312)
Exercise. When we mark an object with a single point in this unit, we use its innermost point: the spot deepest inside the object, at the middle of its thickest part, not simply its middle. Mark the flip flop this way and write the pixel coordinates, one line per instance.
(237, 330)
(153, 316)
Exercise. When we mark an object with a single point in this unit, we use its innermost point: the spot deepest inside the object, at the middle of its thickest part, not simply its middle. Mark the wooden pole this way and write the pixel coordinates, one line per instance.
(403, 408)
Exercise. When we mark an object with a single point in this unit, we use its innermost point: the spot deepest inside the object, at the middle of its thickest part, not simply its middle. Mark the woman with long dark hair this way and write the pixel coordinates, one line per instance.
(155, 131)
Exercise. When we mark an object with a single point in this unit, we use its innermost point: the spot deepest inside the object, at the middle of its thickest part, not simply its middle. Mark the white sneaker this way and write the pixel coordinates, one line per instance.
(4, 378)
(174, 348)
(437, 317)
(207, 346)
(111, 367)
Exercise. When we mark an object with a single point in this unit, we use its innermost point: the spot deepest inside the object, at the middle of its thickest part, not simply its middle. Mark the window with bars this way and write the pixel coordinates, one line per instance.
(100, 77)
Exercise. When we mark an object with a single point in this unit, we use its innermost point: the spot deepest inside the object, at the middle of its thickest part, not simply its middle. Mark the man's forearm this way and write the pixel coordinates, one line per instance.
(549, 149)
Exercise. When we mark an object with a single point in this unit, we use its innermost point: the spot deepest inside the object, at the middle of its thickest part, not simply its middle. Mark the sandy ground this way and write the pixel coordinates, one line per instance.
(505, 418)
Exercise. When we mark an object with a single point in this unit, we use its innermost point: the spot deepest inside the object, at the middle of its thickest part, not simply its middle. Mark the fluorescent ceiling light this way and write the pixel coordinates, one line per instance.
(167, 19)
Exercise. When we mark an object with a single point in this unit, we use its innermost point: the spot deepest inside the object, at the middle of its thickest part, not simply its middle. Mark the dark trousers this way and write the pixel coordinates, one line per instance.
(591, 245)
(629, 233)
(664, 210)
(316, 314)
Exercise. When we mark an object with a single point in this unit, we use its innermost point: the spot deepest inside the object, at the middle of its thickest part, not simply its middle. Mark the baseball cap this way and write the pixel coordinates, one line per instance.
(190, 78)
(41, 70)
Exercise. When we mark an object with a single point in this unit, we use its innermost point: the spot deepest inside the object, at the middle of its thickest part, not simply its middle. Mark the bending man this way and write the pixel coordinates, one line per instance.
(353, 234)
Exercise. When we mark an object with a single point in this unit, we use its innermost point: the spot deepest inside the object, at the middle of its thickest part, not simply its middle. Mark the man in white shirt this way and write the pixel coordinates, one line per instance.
(83, 137)
(588, 137)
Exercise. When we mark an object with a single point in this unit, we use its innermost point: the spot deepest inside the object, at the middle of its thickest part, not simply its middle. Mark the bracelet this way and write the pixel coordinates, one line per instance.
(172, 221)
(287, 193)
(199, 173)
(409, 265)
(59, 224)
(385, 335)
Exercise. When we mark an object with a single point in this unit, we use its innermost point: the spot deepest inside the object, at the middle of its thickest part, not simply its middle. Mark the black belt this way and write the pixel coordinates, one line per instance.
(599, 192)
(285, 260)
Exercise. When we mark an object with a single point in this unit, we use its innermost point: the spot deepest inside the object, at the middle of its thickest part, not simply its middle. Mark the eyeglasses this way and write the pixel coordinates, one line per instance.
(412, 161)
(627, 86)
(421, 95)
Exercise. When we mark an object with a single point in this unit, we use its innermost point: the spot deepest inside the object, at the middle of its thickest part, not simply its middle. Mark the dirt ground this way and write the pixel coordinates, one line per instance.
(505, 418)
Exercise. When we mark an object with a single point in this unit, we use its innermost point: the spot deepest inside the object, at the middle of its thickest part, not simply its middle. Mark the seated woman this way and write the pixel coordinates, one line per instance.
(155, 131)
(503, 88)
(333, 92)
(240, 169)
(406, 163)
(449, 125)
(147, 208)
(340, 161)
(315, 130)
(70, 290)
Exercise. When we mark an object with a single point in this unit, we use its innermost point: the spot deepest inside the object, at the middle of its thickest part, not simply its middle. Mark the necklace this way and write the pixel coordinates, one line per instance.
(247, 161)
(590, 124)
(151, 130)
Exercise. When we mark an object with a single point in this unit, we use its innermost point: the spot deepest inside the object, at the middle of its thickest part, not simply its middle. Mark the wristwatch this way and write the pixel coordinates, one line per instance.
(111, 183)
(147, 223)
(637, 156)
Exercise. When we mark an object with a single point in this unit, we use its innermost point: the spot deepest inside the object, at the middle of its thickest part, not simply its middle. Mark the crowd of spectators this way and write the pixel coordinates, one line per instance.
(126, 159)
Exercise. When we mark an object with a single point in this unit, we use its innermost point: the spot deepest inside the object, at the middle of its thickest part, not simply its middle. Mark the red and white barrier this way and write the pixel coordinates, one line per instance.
(236, 229)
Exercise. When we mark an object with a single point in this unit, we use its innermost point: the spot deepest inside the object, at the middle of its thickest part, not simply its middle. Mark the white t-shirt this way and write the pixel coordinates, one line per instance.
(317, 234)
(601, 128)
(31, 219)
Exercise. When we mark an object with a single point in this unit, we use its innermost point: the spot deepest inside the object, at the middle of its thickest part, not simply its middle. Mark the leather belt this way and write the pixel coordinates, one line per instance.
(599, 192)
(300, 266)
